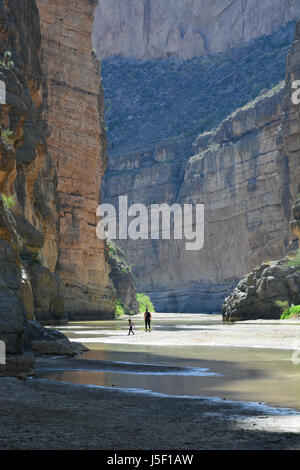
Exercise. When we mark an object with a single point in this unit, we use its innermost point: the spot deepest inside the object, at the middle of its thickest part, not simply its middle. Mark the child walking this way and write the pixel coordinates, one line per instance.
(131, 325)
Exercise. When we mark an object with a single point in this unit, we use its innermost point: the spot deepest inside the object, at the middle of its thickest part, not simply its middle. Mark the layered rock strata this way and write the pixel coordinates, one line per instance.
(28, 202)
(78, 145)
(256, 295)
(246, 173)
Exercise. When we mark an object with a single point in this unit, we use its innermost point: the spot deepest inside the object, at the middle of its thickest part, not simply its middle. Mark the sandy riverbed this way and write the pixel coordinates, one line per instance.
(40, 414)
(256, 333)
(48, 415)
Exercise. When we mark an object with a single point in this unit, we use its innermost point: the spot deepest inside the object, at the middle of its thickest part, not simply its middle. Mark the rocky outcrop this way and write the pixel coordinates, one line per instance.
(246, 173)
(78, 145)
(143, 29)
(256, 294)
(42, 341)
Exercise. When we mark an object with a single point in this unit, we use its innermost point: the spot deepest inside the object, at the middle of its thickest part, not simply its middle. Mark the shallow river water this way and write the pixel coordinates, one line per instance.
(235, 373)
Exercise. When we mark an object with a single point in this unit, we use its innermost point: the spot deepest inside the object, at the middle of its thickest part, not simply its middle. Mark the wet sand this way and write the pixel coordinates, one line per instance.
(37, 414)
(281, 334)
(44, 414)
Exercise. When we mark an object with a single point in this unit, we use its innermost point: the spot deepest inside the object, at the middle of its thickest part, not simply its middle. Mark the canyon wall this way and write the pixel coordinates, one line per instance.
(52, 158)
(246, 173)
(258, 293)
(77, 144)
(29, 222)
(144, 29)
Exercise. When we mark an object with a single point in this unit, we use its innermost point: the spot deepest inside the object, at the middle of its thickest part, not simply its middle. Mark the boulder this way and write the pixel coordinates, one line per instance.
(41, 340)
(256, 294)
(57, 348)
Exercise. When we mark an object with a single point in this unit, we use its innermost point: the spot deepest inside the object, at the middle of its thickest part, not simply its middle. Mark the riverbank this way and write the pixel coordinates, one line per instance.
(122, 414)
(37, 414)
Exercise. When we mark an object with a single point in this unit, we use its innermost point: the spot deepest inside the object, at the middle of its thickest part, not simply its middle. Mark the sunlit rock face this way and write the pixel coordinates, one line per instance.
(246, 173)
(29, 204)
(143, 29)
(256, 294)
(77, 143)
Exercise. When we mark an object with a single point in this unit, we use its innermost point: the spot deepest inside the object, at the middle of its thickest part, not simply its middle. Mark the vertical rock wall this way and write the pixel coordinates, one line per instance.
(145, 29)
(246, 173)
(28, 204)
(77, 143)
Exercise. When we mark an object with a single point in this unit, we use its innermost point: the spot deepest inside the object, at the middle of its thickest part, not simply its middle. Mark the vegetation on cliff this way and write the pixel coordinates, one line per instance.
(151, 101)
(8, 201)
(123, 280)
(290, 312)
(294, 261)
(121, 309)
(144, 302)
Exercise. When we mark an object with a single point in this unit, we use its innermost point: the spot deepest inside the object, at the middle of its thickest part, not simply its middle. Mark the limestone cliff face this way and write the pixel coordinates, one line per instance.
(78, 145)
(144, 29)
(28, 202)
(27, 169)
(246, 173)
(39, 226)
(256, 294)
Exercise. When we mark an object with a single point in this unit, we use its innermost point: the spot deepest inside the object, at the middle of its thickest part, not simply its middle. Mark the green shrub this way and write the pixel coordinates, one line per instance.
(291, 311)
(295, 260)
(121, 309)
(8, 201)
(8, 137)
(144, 302)
(111, 248)
(283, 304)
(7, 62)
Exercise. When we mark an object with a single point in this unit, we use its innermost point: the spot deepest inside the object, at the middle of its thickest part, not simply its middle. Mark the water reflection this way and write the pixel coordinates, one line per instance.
(242, 374)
